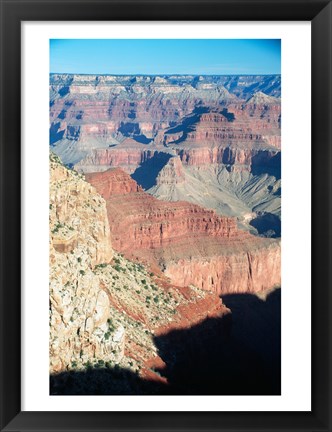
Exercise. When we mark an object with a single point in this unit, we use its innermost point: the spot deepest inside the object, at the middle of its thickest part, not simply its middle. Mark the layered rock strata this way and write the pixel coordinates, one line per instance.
(105, 309)
(79, 240)
(99, 112)
(191, 244)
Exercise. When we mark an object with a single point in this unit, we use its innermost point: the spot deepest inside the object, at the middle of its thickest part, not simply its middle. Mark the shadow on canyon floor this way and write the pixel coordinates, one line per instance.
(146, 174)
(239, 354)
(267, 225)
(262, 163)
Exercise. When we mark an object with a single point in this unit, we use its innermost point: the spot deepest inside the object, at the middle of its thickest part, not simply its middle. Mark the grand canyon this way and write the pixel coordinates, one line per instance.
(165, 234)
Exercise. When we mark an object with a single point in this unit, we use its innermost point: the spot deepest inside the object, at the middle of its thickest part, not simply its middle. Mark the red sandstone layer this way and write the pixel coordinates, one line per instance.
(192, 244)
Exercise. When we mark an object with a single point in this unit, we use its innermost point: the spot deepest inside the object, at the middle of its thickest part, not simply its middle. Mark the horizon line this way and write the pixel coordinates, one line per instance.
(165, 74)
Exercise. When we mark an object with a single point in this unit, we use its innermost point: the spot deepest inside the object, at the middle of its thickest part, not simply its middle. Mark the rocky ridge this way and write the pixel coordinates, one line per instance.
(105, 309)
(191, 244)
(226, 130)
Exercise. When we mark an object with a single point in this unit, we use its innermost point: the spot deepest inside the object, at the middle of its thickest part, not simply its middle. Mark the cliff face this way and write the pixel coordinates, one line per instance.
(192, 244)
(90, 113)
(116, 183)
(73, 204)
(169, 132)
(255, 268)
(172, 173)
(245, 135)
(130, 159)
(104, 309)
(150, 223)
(235, 125)
(79, 240)
(126, 268)
(127, 157)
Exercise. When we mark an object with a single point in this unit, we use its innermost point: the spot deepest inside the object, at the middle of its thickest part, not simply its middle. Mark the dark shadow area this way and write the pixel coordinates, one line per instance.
(187, 124)
(142, 139)
(55, 133)
(263, 163)
(132, 130)
(145, 175)
(267, 225)
(229, 116)
(132, 114)
(62, 114)
(103, 381)
(239, 354)
(129, 129)
(276, 192)
(64, 91)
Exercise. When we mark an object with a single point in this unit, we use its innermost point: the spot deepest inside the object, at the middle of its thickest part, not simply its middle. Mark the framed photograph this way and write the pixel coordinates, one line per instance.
(166, 172)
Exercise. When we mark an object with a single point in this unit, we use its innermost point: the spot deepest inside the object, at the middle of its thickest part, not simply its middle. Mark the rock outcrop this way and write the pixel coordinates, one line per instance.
(89, 112)
(172, 173)
(248, 267)
(145, 243)
(191, 244)
(212, 124)
(105, 309)
(79, 240)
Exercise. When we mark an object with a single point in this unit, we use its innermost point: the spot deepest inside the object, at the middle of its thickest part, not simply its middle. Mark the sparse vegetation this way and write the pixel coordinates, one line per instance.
(103, 265)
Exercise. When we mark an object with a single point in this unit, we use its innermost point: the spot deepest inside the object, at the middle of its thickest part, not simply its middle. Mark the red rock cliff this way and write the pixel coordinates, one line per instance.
(192, 244)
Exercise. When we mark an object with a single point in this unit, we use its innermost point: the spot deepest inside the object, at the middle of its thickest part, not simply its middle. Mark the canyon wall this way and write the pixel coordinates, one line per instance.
(193, 245)
(249, 270)
(140, 123)
(105, 309)
(101, 112)
(79, 240)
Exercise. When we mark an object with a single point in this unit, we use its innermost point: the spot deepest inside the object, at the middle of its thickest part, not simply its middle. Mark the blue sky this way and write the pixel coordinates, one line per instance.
(166, 56)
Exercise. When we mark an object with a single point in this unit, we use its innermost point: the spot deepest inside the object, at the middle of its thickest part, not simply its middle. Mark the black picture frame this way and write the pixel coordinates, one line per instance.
(13, 12)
